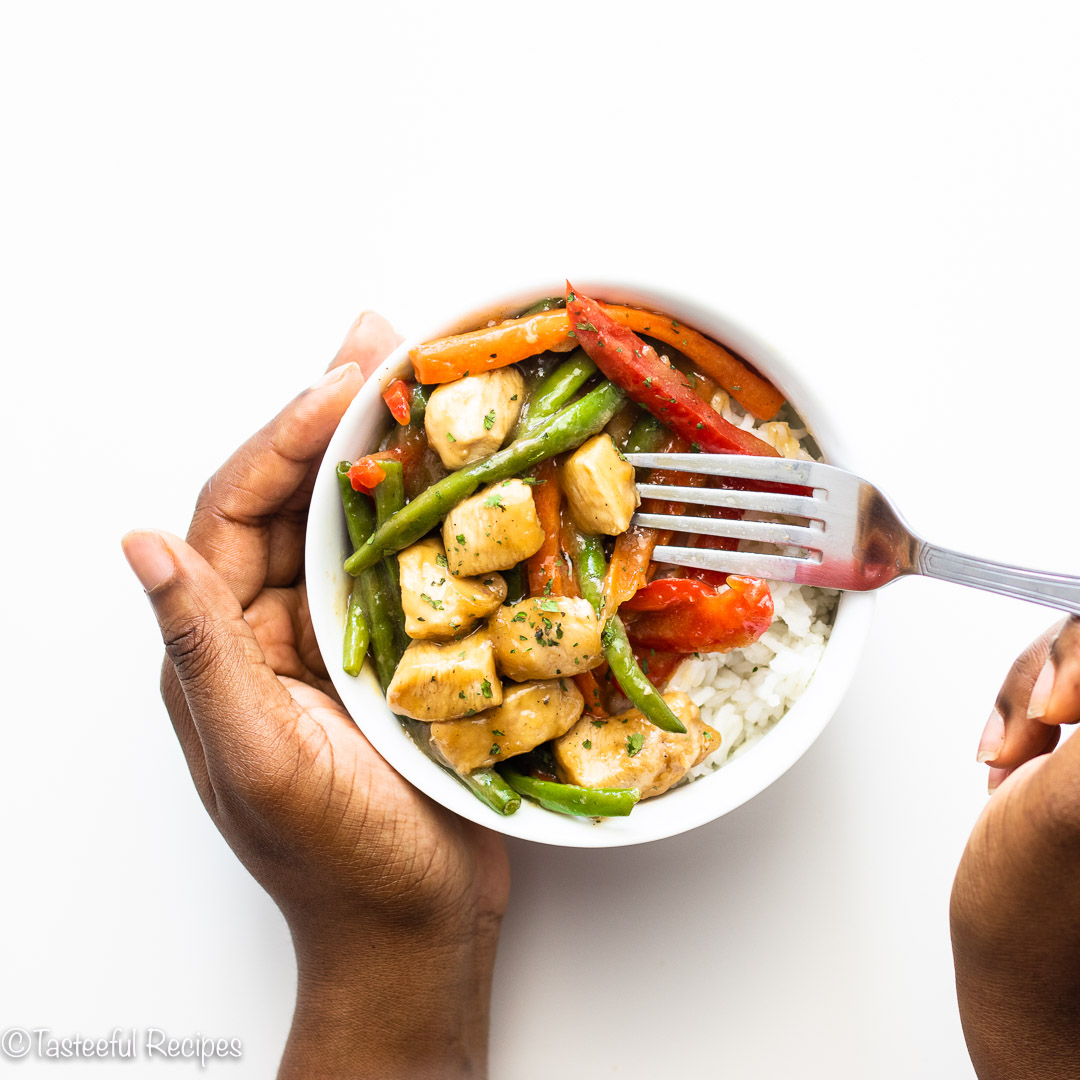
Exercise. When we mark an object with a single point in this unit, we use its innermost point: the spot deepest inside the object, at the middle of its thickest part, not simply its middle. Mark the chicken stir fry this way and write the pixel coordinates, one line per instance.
(546, 636)
(494, 530)
(469, 419)
(510, 606)
(442, 682)
(439, 606)
(599, 484)
(531, 713)
(627, 751)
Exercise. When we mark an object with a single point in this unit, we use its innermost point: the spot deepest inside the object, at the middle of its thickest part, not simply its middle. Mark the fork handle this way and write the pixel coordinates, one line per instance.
(1061, 591)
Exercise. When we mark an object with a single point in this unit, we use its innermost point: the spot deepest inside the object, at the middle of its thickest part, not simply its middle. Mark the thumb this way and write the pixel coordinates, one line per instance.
(236, 702)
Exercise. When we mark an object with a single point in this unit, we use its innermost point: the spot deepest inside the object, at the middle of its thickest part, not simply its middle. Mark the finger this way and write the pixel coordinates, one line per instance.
(997, 777)
(370, 340)
(236, 703)
(1055, 697)
(1011, 736)
(267, 483)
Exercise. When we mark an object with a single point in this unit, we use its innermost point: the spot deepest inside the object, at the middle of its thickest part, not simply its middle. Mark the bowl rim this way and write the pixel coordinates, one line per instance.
(681, 809)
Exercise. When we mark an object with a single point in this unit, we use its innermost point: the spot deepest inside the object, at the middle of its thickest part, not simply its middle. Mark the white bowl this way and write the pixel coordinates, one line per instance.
(678, 810)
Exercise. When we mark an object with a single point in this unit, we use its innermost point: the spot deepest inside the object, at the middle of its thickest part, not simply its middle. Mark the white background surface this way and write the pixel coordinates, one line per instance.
(199, 198)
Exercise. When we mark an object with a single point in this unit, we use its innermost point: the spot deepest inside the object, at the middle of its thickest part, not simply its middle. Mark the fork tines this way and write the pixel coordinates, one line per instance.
(809, 538)
(739, 467)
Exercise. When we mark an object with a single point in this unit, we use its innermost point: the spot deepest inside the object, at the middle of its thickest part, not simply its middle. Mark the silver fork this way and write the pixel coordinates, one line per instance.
(854, 538)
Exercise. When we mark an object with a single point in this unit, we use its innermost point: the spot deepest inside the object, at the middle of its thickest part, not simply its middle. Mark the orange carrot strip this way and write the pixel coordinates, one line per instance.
(547, 568)
(491, 347)
(508, 342)
(629, 565)
(755, 394)
(592, 692)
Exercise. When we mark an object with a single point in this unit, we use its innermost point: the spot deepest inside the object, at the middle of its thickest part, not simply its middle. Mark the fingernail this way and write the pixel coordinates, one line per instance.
(1040, 692)
(995, 780)
(335, 375)
(148, 556)
(992, 740)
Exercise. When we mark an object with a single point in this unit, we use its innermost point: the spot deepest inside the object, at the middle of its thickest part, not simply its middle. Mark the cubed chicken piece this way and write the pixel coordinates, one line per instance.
(599, 485)
(493, 530)
(439, 606)
(546, 636)
(626, 751)
(469, 419)
(443, 682)
(530, 714)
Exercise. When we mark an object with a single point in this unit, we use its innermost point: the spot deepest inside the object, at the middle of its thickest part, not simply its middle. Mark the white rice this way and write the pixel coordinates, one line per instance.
(745, 692)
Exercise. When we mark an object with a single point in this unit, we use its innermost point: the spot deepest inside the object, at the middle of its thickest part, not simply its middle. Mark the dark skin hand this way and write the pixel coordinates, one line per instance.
(1016, 898)
(394, 903)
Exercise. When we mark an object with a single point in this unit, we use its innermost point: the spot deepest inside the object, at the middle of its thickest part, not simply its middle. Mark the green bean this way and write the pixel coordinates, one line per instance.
(591, 568)
(418, 403)
(489, 787)
(390, 493)
(359, 515)
(645, 436)
(357, 636)
(546, 304)
(567, 429)
(554, 392)
(389, 499)
(360, 520)
(570, 799)
(377, 599)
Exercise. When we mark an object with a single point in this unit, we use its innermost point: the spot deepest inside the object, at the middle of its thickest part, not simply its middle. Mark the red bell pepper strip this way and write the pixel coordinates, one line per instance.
(704, 619)
(663, 593)
(398, 398)
(659, 666)
(637, 368)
